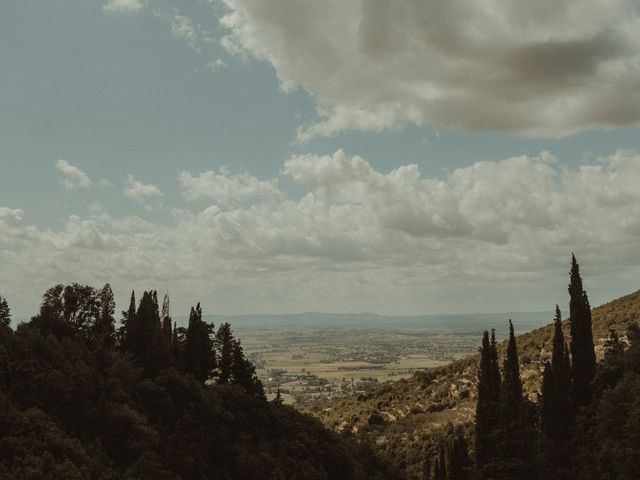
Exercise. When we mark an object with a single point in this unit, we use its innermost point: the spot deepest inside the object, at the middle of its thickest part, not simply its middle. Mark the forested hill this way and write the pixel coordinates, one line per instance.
(404, 421)
(82, 400)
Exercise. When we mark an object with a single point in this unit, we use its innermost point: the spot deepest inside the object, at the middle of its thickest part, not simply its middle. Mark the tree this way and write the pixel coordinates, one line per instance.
(5, 313)
(556, 388)
(441, 465)
(199, 353)
(224, 346)
(583, 357)
(243, 373)
(104, 327)
(128, 317)
(487, 406)
(512, 385)
(458, 461)
(515, 434)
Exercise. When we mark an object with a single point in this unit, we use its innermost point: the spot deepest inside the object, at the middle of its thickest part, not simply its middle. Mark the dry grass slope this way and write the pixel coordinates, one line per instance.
(400, 418)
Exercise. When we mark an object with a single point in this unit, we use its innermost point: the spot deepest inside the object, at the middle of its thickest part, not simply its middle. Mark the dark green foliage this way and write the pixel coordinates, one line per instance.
(459, 465)
(105, 323)
(556, 388)
(511, 400)
(487, 405)
(199, 354)
(70, 411)
(5, 313)
(583, 357)
(607, 432)
(224, 347)
(243, 373)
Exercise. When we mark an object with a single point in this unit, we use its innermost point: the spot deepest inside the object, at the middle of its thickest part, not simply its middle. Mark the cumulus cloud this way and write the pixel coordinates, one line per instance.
(357, 238)
(73, 176)
(143, 193)
(224, 187)
(123, 6)
(502, 65)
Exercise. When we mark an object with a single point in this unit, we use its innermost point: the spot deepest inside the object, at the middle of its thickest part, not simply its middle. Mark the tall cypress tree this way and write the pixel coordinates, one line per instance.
(583, 358)
(127, 319)
(104, 327)
(224, 346)
(199, 354)
(512, 385)
(556, 412)
(556, 387)
(458, 461)
(487, 406)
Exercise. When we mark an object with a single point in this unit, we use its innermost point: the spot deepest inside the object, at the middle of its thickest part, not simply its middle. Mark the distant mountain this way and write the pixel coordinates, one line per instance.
(403, 421)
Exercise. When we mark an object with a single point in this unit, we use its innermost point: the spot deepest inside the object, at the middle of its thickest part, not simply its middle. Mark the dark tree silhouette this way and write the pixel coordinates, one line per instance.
(583, 357)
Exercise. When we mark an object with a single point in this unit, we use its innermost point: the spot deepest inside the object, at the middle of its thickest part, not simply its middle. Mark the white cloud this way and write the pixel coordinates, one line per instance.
(73, 176)
(504, 65)
(143, 193)
(357, 239)
(224, 187)
(216, 65)
(182, 28)
(123, 6)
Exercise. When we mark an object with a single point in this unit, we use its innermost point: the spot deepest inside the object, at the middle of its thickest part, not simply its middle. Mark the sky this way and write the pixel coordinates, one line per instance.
(277, 156)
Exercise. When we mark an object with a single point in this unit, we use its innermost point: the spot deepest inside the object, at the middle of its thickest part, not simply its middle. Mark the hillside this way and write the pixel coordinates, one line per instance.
(401, 420)
(77, 402)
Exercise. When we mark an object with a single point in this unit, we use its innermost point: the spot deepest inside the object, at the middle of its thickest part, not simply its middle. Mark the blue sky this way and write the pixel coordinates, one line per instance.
(274, 156)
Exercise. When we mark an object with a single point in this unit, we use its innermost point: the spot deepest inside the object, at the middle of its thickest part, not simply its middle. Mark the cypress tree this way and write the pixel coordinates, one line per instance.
(487, 405)
(512, 385)
(127, 319)
(441, 466)
(458, 461)
(166, 324)
(556, 387)
(224, 346)
(104, 328)
(5, 313)
(199, 354)
(583, 358)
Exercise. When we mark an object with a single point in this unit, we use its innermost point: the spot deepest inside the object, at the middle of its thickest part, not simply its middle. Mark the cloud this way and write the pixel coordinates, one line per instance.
(216, 65)
(73, 176)
(499, 65)
(123, 6)
(357, 238)
(182, 28)
(143, 193)
(224, 187)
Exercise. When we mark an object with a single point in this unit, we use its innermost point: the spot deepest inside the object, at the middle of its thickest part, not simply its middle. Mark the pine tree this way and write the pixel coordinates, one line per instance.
(583, 358)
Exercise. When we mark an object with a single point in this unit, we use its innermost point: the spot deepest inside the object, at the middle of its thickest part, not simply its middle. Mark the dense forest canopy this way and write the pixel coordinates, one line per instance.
(82, 398)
